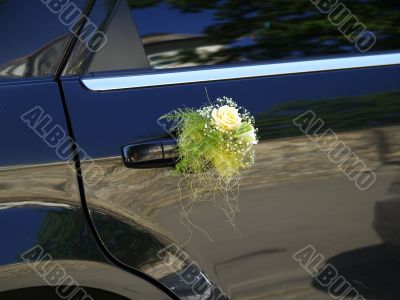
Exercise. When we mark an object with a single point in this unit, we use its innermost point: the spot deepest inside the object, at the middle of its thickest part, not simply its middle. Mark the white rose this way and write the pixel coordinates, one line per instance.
(247, 134)
(226, 118)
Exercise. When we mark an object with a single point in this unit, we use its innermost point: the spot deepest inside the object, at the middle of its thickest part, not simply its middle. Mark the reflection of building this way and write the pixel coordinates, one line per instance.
(166, 50)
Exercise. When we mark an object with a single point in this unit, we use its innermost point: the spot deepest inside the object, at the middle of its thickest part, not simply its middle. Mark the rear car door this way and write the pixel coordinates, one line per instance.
(318, 210)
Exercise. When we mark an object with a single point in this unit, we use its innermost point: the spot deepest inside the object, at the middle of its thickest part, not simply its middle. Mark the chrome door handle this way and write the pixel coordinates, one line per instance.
(150, 154)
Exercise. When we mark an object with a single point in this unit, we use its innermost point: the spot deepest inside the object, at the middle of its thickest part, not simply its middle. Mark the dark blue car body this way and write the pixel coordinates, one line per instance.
(66, 111)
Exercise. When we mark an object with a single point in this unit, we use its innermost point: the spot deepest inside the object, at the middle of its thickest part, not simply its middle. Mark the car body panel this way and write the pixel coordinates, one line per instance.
(294, 195)
(123, 235)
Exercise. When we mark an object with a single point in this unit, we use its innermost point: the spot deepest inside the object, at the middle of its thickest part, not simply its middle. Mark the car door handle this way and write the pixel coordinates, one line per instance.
(150, 154)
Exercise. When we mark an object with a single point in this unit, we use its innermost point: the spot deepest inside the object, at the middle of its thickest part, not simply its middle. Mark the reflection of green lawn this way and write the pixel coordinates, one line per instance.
(339, 114)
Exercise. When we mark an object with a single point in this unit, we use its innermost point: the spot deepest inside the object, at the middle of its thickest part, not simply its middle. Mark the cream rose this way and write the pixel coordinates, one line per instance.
(226, 118)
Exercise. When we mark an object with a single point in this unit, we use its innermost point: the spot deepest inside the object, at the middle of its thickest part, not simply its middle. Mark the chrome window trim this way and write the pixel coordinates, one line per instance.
(190, 75)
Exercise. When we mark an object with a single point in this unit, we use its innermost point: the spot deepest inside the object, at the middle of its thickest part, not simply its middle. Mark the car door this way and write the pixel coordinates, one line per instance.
(48, 251)
(318, 211)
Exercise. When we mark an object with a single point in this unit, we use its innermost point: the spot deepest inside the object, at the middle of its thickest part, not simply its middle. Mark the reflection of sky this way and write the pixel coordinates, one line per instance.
(19, 229)
(163, 19)
(171, 20)
(20, 144)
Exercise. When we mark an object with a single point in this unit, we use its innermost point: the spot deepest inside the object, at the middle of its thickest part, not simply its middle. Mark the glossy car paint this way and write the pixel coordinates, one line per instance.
(40, 203)
(293, 197)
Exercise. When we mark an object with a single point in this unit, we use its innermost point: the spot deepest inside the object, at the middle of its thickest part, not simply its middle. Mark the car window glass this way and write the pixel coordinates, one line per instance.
(183, 33)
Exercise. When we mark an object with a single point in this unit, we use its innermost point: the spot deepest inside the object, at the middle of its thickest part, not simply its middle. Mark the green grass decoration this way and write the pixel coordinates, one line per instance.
(215, 143)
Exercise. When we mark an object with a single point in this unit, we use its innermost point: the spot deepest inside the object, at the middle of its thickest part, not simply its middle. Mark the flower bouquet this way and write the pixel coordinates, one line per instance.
(215, 142)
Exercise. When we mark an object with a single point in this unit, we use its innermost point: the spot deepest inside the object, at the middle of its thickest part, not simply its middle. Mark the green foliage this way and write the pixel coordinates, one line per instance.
(201, 148)
(272, 29)
(210, 158)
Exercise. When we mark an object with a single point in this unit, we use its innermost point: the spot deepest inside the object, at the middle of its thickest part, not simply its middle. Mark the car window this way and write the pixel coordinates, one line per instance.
(34, 35)
(183, 33)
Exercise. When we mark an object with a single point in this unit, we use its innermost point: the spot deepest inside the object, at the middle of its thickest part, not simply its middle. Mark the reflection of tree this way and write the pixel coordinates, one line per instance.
(270, 29)
(65, 234)
(340, 114)
(134, 245)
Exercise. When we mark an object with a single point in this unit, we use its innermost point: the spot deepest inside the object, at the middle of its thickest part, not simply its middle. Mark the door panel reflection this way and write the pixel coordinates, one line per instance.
(294, 196)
